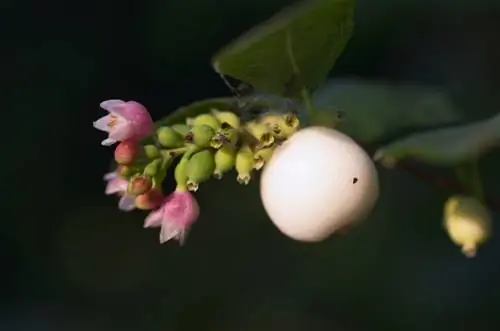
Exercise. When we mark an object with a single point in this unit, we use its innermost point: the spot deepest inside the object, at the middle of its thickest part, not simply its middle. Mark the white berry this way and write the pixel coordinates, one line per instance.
(318, 181)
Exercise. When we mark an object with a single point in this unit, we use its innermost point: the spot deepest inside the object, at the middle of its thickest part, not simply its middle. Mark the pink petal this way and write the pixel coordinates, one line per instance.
(111, 105)
(154, 219)
(127, 202)
(139, 118)
(121, 132)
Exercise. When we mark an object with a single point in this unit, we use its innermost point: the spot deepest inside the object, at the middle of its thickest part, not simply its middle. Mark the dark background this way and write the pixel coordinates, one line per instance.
(71, 261)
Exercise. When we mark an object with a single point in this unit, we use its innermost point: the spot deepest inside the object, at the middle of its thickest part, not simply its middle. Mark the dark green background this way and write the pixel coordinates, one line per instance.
(71, 261)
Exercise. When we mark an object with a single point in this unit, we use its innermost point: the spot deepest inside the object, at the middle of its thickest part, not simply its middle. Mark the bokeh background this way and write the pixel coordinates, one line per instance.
(71, 261)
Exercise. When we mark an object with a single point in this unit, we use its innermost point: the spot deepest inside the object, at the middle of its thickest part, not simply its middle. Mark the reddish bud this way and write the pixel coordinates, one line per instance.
(139, 184)
(127, 151)
(124, 171)
(149, 200)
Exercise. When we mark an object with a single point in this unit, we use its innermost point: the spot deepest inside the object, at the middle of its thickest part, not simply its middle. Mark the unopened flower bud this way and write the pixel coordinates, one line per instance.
(125, 171)
(169, 138)
(282, 126)
(226, 135)
(199, 169)
(467, 222)
(152, 168)
(139, 184)
(227, 117)
(244, 165)
(181, 129)
(225, 159)
(262, 133)
(205, 119)
(150, 200)
(200, 135)
(151, 151)
(262, 156)
(126, 151)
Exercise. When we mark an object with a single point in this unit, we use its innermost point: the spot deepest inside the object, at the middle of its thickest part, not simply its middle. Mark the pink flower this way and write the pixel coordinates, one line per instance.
(118, 185)
(126, 120)
(175, 216)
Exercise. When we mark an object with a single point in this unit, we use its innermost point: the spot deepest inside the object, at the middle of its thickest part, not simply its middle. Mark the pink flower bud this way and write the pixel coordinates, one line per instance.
(126, 151)
(139, 184)
(149, 200)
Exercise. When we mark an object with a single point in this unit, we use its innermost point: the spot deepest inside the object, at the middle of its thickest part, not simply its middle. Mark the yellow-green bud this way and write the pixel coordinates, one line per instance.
(199, 169)
(282, 126)
(225, 159)
(226, 135)
(227, 117)
(200, 135)
(205, 119)
(467, 222)
(169, 138)
(261, 132)
(244, 165)
(262, 156)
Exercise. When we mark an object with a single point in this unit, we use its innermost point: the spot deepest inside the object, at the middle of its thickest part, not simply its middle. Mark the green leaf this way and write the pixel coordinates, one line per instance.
(251, 104)
(445, 147)
(376, 110)
(292, 51)
(196, 108)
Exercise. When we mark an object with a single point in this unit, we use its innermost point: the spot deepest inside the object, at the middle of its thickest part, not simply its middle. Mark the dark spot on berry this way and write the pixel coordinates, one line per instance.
(355, 180)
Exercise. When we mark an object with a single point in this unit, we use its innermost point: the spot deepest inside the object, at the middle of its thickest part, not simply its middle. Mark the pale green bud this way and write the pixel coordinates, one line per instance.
(199, 169)
(152, 168)
(227, 117)
(181, 129)
(151, 151)
(205, 119)
(244, 165)
(200, 135)
(169, 138)
(225, 159)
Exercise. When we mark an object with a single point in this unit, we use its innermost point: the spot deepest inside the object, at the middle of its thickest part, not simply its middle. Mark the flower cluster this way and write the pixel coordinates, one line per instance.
(208, 145)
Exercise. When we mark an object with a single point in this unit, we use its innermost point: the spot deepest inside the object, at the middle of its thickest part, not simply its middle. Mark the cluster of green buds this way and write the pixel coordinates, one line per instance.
(214, 143)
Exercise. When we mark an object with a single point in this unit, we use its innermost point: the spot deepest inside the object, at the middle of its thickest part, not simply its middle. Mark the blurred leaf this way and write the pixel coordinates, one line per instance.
(375, 110)
(294, 49)
(445, 147)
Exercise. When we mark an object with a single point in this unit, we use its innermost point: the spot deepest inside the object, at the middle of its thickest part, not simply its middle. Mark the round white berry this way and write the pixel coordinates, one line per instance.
(318, 181)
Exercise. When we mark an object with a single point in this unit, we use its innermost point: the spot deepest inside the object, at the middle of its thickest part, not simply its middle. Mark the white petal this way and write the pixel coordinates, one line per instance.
(108, 142)
(109, 176)
(127, 203)
(110, 104)
(168, 231)
(102, 123)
